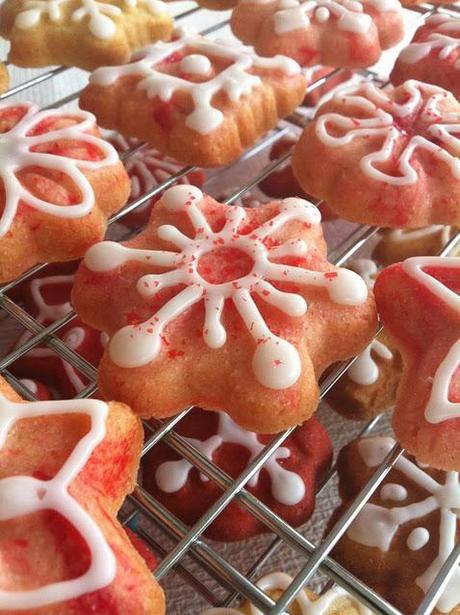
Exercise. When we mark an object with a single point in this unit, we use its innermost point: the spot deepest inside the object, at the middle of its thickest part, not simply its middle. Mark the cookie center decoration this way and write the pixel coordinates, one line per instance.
(445, 38)
(287, 487)
(224, 265)
(376, 526)
(24, 495)
(406, 129)
(439, 407)
(100, 15)
(18, 151)
(276, 362)
(235, 80)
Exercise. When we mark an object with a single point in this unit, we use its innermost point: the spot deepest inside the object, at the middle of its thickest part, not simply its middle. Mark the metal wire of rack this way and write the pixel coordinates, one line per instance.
(189, 541)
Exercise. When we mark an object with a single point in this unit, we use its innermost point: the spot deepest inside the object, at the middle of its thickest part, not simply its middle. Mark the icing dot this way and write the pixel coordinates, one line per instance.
(322, 14)
(175, 198)
(196, 64)
(276, 364)
(392, 491)
(418, 538)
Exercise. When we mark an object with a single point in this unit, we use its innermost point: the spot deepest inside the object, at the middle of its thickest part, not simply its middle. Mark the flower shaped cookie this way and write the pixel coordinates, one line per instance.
(223, 307)
(83, 33)
(403, 536)
(65, 468)
(343, 33)
(385, 157)
(433, 55)
(60, 182)
(419, 304)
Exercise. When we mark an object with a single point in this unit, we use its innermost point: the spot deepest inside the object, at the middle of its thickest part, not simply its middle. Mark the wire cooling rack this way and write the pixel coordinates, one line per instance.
(228, 584)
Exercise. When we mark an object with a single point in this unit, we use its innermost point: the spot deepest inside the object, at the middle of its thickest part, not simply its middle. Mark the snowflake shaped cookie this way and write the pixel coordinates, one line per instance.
(433, 55)
(55, 171)
(410, 526)
(400, 146)
(195, 99)
(47, 299)
(59, 509)
(83, 33)
(286, 483)
(244, 282)
(344, 33)
(425, 322)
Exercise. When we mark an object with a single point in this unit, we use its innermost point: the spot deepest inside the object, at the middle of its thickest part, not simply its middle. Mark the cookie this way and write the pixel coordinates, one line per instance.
(66, 467)
(403, 536)
(47, 299)
(61, 182)
(398, 244)
(282, 183)
(202, 102)
(147, 168)
(433, 55)
(287, 483)
(385, 157)
(334, 33)
(83, 33)
(227, 325)
(334, 601)
(419, 305)
(369, 386)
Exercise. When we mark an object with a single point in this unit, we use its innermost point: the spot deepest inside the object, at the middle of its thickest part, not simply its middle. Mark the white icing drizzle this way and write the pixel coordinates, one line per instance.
(437, 125)
(236, 80)
(376, 526)
(16, 153)
(147, 168)
(280, 581)
(101, 16)
(364, 370)
(445, 38)
(402, 236)
(23, 495)
(287, 487)
(348, 13)
(48, 313)
(276, 362)
(439, 408)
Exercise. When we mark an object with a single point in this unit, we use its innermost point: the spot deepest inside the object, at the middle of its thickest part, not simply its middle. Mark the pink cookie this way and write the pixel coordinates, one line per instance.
(344, 33)
(433, 55)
